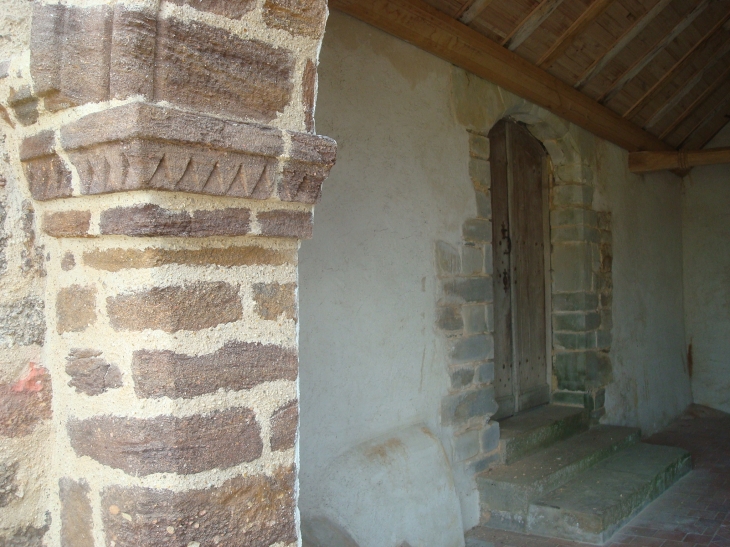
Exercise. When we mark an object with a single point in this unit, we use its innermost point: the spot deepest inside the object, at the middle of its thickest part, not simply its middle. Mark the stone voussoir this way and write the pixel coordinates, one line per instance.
(167, 444)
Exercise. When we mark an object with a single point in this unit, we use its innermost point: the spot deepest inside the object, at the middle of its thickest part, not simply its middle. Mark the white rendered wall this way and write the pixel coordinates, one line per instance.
(651, 385)
(370, 358)
(707, 278)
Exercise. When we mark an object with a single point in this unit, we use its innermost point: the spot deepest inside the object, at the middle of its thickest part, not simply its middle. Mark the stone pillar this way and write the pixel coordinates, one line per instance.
(175, 169)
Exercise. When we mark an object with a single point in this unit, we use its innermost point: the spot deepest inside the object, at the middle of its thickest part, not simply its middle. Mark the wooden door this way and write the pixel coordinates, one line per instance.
(520, 228)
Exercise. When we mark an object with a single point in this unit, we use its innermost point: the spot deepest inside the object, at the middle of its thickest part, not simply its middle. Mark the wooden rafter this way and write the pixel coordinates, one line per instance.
(672, 72)
(645, 162)
(417, 22)
(530, 23)
(696, 103)
(627, 37)
(682, 91)
(660, 46)
(719, 126)
(565, 40)
(471, 10)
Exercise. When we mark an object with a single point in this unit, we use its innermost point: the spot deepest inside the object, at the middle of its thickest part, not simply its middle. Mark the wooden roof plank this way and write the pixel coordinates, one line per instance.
(682, 91)
(640, 64)
(696, 103)
(632, 32)
(564, 41)
(672, 72)
(435, 32)
(471, 10)
(530, 23)
(711, 116)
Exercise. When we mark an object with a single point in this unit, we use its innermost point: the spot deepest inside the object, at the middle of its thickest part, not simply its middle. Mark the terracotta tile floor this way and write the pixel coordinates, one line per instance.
(695, 512)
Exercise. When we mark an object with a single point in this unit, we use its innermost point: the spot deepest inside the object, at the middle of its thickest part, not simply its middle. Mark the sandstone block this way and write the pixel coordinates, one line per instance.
(285, 223)
(466, 445)
(490, 437)
(25, 403)
(469, 289)
(284, 424)
(575, 340)
(300, 17)
(480, 173)
(236, 366)
(484, 203)
(154, 221)
(472, 348)
(76, 515)
(209, 69)
(255, 511)
(478, 230)
(168, 444)
(225, 8)
(460, 407)
(575, 301)
(274, 300)
(479, 146)
(573, 195)
(67, 223)
(90, 374)
(191, 307)
(576, 322)
(475, 318)
(114, 260)
(461, 377)
(448, 318)
(472, 259)
(132, 55)
(448, 260)
(75, 308)
(309, 94)
(485, 372)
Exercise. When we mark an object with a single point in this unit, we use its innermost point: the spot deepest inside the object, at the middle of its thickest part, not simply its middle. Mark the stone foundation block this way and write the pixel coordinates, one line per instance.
(286, 223)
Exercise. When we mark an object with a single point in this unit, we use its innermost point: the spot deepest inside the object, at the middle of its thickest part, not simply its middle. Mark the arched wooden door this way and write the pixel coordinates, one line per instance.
(521, 227)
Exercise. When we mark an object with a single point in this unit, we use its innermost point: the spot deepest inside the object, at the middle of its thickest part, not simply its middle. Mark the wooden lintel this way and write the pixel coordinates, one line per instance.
(645, 162)
(433, 31)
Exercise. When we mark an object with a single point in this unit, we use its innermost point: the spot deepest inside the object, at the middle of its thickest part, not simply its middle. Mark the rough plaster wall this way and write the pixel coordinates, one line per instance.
(24, 452)
(370, 358)
(651, 385)
(707, 278)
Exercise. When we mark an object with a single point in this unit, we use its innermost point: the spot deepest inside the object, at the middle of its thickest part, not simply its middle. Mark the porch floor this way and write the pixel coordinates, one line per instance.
(693, 512)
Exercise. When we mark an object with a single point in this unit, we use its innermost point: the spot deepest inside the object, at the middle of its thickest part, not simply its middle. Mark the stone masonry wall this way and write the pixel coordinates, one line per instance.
(168, 149)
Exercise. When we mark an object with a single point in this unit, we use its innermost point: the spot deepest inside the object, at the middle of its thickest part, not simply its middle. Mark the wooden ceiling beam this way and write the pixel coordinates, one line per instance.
(471, 10)
(645, 162)
(672, 72)
(420, 24)
(684, 90)
(530, 23)
(566, 39)
(696, 103)
(627, 37)
(660, 46)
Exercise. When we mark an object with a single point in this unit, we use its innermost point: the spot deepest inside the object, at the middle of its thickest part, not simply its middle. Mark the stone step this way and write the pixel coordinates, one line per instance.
(596, 503)
(530, 431)
(506, 492)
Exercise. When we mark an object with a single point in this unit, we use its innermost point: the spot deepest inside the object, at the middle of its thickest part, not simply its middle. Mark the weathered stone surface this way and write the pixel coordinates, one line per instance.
(301, 17)
(466, 445)
(24, 104)
(577, 301)
(255, 511)
(67, 223)
(75, 308)
(76, 515)
(460, 407)
(29, 536)
(236, 366)
(312, 158)
(114, 260)
(472, 259)
(154, 221)
(90, 374)
(274, 300)
(449, 318)
(578, 322)
(209, 69)
(572, 195)
(475, 318)
(479, 146)
(575, 340)
(570, 369)
(461, 377)
(132, 55)
(284, 424)
(47, 174)
(8, 485)
(573, 216)
(484, 203)
(469, 289)
(70, 53)
(480, 173)
(448, 261)
(485, 372)
(572, 267)
(478, 230)
(68, 262)
(490, 437)
(227, 8)
(472, 348)
(285, 223)
(191, 307)
(23, 322)
(25, 403)
(309, 94)
(168, 444)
